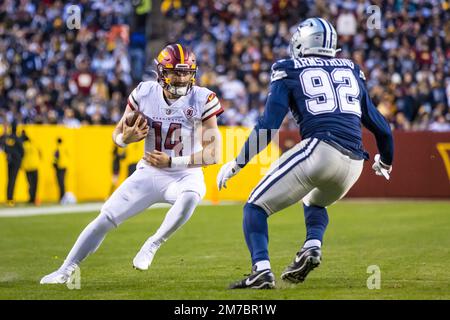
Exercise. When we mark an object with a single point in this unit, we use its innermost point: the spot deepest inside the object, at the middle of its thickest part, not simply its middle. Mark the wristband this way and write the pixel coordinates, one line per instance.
(119, 140)
(179, 162)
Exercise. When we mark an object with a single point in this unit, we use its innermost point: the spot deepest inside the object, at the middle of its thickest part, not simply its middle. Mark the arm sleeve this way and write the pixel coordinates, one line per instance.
(277, 106)
(212, 107)
(373, 120)
(133, 99)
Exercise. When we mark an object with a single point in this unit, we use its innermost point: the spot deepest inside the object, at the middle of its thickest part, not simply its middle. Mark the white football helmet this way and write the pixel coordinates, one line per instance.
(314, 36)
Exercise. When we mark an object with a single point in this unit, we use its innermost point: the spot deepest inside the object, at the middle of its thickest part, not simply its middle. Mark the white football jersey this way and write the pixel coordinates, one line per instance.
(175, 128)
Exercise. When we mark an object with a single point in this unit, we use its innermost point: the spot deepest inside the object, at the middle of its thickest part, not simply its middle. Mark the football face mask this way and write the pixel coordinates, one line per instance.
(178, 82)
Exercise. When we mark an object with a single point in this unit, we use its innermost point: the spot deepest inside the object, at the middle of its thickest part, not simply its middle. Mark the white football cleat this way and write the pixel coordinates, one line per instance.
(143, 259)
(57, 277)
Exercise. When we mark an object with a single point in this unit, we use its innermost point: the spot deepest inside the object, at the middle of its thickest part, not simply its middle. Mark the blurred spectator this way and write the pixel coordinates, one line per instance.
(439, 124)
(60, 163)
(232, 88)
(346, 24)
(82, 79)
(69, 119)
(401, 122)
(30, 165)
(12, 145)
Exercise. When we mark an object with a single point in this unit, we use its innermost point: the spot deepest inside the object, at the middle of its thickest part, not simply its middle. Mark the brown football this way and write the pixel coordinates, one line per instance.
(131, 118)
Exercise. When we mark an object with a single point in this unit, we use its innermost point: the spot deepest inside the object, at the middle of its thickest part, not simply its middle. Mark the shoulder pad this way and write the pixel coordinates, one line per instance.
(360, 73)
(283, 64)
(144, 87)
(279, 69)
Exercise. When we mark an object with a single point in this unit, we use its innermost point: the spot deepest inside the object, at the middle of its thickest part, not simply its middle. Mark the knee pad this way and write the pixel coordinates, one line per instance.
(104, 221)
(190, 198)
(253, 212)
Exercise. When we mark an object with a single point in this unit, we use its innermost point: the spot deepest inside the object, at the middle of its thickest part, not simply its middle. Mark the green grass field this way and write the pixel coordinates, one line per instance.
(409, 241)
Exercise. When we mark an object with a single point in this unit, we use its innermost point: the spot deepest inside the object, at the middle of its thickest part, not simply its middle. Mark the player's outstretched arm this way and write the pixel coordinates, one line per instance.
(277, 106)
(373, 120)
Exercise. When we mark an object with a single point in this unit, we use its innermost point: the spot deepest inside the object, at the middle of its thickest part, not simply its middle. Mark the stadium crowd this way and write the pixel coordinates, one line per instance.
(405, 57)
(49, 74)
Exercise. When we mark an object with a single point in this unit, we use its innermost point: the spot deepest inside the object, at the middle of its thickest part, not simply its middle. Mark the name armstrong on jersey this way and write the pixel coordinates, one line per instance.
(319, 62)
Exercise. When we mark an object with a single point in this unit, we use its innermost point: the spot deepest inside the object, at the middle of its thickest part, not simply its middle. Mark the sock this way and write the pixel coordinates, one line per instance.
(88, 241)
(152, 244)
(312, 243)
(179, 213)
(256, 232)
(262, 265)
(316, 220)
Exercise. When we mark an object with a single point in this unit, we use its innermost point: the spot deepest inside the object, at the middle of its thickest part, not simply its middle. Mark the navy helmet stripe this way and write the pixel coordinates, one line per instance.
(269, 174)
(306, 156)
(327, 32)
(324, 33)
(331, 34)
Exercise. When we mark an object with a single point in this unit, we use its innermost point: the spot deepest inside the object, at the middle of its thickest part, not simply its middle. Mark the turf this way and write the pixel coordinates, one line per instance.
(408, 241)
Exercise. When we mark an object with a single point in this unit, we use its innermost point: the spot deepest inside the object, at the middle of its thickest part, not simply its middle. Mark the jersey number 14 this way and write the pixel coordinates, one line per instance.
(172, 140)
(323, 97)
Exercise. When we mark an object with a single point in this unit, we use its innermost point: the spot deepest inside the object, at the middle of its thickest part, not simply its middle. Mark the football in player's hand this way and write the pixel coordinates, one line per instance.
(132, 117)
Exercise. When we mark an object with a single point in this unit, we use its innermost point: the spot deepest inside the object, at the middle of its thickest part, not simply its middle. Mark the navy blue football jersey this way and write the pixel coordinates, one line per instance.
(329, 101)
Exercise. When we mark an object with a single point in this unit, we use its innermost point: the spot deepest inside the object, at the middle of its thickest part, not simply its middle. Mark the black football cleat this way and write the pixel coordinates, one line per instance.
(305, 260)
(263, 279)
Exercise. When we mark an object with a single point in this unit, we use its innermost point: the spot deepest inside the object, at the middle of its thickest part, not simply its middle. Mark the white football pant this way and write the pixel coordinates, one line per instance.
(313, 171)
(145, 187)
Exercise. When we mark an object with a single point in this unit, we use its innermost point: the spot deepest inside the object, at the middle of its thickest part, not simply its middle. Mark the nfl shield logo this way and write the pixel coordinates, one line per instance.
(189, 112)
(168, 111)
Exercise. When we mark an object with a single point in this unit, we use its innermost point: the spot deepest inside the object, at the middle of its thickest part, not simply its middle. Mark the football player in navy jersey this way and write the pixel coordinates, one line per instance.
(329, 101)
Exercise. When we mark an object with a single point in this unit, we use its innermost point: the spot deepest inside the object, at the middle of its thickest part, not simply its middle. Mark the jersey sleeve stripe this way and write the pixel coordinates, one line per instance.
(131, 106)
(212, 102)
(132, 100)
(216, 113)
(209, 109)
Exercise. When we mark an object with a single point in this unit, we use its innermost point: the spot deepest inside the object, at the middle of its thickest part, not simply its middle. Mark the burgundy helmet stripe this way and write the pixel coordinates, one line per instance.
(176, 51)
(181, 51)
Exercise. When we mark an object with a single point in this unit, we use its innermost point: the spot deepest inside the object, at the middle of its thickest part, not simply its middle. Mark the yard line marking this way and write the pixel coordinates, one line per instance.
(79, 208)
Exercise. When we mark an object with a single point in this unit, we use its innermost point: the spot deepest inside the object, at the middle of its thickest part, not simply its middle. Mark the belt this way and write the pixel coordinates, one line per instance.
(344, 151)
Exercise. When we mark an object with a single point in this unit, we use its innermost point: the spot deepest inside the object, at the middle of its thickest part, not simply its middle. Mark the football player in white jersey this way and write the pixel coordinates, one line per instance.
(181, 136)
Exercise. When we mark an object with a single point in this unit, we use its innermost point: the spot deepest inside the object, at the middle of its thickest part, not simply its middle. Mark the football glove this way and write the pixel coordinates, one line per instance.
(228, 170)
(380, 168)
